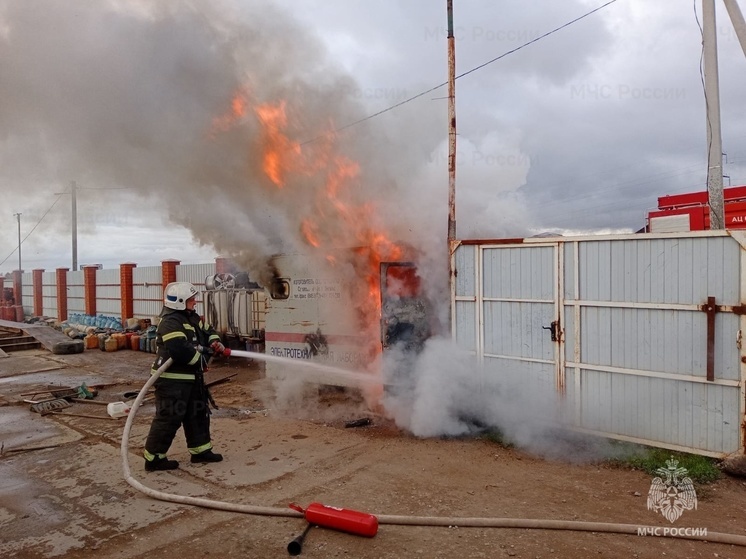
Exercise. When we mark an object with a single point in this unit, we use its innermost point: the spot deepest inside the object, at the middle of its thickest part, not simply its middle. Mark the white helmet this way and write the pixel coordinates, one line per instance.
(177, 294)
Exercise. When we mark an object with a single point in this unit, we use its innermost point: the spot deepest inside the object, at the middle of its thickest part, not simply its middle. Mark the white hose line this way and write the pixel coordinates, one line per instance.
(183, 499)
(462, 522)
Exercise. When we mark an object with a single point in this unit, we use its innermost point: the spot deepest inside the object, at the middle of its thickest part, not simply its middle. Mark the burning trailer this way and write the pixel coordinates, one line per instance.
(342, 311)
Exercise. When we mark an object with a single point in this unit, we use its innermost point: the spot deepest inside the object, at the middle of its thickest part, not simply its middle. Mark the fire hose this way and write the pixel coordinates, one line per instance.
(462, 522)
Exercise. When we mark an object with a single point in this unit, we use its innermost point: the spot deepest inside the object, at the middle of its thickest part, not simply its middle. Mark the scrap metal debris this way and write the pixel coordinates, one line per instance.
(362, 422)
(49, 406)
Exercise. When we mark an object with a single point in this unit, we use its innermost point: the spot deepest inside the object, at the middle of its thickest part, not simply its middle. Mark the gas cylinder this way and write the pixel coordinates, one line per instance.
(344, 520)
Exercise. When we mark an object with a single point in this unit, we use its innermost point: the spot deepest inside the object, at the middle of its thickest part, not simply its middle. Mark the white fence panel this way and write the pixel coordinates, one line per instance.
(644, 353)
(75, 292)
(147, 291)
(195, 273)
(49, 293)
(108, 292)
(27, 290)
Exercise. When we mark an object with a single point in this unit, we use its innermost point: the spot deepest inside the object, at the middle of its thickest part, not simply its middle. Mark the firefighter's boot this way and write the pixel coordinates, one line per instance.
(159, 464)
(206, 456)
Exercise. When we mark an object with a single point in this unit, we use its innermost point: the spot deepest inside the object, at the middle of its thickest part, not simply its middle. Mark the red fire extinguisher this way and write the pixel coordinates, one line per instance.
(344, 520)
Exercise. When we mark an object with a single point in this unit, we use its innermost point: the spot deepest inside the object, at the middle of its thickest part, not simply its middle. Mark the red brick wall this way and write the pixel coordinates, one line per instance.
(168, 271)
(18, 287)
(38, 293)
(125, 286)
(89, 282)
(61, 274)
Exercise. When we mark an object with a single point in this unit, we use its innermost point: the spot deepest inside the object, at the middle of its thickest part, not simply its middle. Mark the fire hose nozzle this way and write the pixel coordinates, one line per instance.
(296, 546)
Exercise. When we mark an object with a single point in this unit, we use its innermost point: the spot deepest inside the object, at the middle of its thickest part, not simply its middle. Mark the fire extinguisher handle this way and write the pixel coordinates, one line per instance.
(297, 507)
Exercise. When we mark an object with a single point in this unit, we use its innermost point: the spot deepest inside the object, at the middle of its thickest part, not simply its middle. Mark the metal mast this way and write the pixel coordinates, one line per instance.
(74, 189)
(18, 218)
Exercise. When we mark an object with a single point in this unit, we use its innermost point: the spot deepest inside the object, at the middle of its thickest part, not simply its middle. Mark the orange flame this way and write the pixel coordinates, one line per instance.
(233, 116)
(310, 233)
(336, 213)
(280, 153)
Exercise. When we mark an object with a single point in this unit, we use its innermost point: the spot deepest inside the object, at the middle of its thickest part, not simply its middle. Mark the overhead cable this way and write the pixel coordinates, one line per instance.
(503, 55)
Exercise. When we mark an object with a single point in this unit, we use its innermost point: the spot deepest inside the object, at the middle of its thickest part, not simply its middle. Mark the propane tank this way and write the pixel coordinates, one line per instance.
(344, 520)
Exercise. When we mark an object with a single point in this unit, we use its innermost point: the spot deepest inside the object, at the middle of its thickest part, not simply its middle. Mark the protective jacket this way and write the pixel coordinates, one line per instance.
(179, 334)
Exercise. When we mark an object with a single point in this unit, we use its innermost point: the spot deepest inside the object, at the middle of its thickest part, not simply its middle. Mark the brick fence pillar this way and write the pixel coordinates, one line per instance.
(168, 271)
(2, 289)
(89, 283)
(125, 286)
(222, 265)
(18, 287)
(61, 281)
(38, 292)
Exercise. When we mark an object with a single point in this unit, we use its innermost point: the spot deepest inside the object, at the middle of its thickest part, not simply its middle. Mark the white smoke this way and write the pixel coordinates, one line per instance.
(445, 391)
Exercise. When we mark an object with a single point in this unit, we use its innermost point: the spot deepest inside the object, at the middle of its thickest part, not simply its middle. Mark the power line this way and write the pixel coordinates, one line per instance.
(33, 228)
(503, 55)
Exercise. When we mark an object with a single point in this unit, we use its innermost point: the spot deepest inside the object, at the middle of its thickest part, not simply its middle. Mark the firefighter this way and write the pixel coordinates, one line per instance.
(181, 397)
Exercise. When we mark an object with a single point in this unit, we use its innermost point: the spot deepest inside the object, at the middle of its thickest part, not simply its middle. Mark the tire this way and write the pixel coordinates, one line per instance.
(65, 348)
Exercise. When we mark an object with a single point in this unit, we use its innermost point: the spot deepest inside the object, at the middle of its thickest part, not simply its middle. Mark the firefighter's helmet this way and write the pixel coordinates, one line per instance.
(178, 293)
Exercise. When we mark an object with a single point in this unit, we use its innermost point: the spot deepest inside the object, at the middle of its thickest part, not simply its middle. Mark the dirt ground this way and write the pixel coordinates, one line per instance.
(70, 500)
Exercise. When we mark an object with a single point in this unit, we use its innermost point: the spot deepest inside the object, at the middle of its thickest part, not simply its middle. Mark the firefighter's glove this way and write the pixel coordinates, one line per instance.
(217, 347)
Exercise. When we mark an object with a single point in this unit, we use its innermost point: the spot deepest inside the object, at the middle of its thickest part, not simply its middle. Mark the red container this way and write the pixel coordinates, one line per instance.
(344, 520)
(135, 343)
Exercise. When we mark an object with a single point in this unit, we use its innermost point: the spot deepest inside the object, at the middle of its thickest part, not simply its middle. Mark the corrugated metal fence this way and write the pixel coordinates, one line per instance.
(243, 316)
(147, 289)
(633, 337)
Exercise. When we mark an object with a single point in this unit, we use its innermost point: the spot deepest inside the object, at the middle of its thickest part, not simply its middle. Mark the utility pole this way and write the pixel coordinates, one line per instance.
(739, 24)
(74, 189)
(18, 218)
(74, 224)
(451, 156)
(451, 126)
(712, 103)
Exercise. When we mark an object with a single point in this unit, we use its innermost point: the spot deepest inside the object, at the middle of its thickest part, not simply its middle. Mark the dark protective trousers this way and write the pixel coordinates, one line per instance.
(178, 403)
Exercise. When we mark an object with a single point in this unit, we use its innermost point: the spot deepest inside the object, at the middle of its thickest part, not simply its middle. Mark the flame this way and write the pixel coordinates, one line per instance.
(281, 155)
(335, 214)
(310, 233)
(233, 116)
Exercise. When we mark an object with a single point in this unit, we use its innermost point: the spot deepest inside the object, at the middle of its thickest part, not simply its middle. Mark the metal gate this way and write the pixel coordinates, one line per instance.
(634, 337)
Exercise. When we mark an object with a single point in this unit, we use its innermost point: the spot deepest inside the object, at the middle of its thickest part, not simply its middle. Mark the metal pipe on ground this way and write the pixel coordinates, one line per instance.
(447, 521)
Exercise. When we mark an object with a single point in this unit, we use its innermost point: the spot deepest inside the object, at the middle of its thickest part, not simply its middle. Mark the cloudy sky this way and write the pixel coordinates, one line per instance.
(136, 101)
